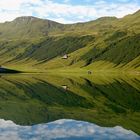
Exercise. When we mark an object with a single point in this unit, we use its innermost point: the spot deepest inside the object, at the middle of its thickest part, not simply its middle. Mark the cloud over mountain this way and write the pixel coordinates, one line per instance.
(66, 11)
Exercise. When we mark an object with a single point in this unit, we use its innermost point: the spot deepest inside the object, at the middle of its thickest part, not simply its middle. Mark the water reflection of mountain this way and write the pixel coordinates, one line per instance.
(104, 100)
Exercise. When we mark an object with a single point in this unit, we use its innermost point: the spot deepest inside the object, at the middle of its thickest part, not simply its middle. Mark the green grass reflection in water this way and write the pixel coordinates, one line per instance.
(106, 100)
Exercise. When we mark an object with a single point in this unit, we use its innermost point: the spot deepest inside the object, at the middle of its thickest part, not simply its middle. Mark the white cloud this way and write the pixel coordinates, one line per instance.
(66, 1)
(64, 12)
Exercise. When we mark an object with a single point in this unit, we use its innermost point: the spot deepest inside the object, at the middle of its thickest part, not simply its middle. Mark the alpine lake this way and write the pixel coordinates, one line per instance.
(68, 107)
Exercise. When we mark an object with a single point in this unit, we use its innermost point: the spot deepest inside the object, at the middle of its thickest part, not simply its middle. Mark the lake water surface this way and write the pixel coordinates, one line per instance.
(48, 107)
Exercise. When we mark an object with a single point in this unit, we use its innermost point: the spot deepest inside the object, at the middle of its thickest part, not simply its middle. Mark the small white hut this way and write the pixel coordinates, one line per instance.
(65, 56)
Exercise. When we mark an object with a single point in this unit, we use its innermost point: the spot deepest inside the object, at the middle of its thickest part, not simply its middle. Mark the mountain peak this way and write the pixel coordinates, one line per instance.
(25, 19)
(137, 12)
(107, 18)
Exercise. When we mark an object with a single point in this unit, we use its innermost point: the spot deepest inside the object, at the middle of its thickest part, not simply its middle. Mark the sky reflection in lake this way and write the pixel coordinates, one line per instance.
(63, 129)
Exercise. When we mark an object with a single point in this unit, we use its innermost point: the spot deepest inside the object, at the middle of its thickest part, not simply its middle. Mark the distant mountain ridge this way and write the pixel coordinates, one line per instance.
(34, 27)
(107, 43)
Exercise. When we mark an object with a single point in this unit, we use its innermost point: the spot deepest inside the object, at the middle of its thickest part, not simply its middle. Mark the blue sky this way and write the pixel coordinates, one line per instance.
(66, 11)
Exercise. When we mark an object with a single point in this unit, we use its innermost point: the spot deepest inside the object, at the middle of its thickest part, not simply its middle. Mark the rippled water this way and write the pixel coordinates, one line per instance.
(40, 106)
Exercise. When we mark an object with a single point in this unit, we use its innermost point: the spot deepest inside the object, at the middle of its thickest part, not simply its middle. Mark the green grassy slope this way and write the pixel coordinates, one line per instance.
(25, 27)
(107, 43)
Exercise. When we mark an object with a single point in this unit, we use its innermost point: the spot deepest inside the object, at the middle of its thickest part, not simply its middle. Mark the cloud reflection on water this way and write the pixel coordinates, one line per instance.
(63, 130)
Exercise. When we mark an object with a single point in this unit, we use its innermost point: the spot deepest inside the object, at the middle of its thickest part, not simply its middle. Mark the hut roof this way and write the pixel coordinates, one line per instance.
(65, 56)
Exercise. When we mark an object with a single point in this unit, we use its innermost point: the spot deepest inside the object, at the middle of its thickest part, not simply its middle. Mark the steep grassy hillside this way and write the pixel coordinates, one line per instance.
(108, 43)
